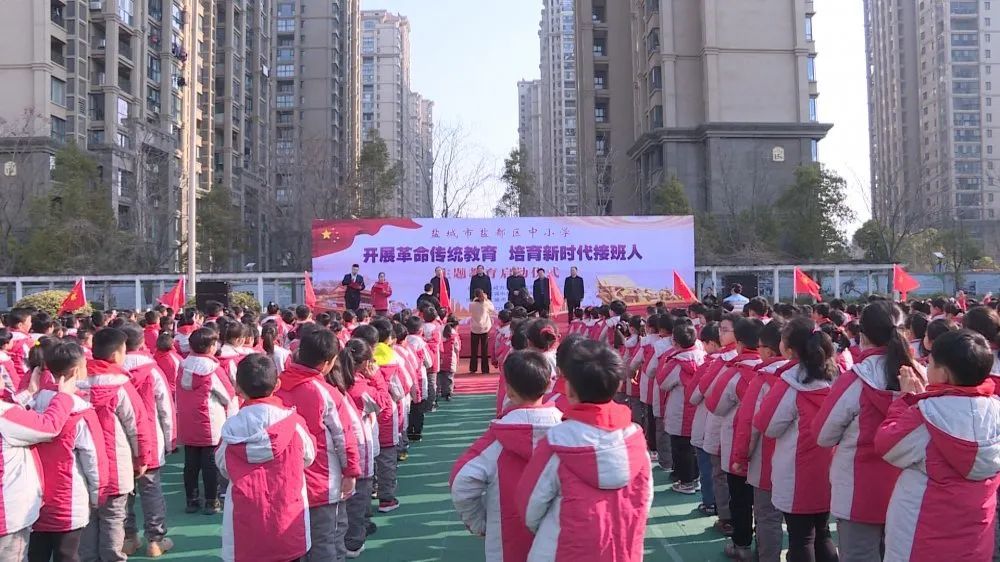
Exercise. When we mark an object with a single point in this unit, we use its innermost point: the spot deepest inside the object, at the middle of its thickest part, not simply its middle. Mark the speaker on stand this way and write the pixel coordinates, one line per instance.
(211, 291)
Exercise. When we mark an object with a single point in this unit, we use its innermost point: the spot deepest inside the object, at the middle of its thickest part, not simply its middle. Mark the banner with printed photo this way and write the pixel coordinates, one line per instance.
(627, 258)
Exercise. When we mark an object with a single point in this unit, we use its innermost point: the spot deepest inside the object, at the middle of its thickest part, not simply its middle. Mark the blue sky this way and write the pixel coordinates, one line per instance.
(467, 56)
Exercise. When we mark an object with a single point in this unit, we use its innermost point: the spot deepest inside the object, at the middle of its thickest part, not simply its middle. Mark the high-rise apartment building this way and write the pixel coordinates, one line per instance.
(530, 135)
(930, 90)
(387, 104)
(316, 130)
(557, 38)
(418, 155)
(113, 77)
(725, 100)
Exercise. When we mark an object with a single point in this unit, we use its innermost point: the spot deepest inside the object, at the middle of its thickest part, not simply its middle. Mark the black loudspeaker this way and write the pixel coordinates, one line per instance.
(211, 291)
(749, 282)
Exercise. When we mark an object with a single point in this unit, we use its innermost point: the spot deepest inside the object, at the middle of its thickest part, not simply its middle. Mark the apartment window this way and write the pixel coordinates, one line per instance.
(814, 150)
(968, 150)
(602, 145)
(368, 44)
(963, 8)
(966, 119)
(95, 137)
(369, 24)
(57, 92)
(58, 128)
(153, 69)
(965, 87)
(652, 42)
(286, 70)
(656, 117)
(285, 100)
(967, 135)
(813, 113)
(968, 167)
(153, 99)
(125, 9)
(811, 68)
(124, 218)
(601, 113)
(966, 104)
(964, 39)
(286, 54)
(58, 54)
(600, 47)
(286, 26)
(965, 71)
(286, 10)
(809, 28)
(965, 55)
(655, 78)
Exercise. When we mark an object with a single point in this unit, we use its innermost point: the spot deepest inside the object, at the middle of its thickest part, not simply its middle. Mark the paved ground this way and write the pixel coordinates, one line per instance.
(426, 528)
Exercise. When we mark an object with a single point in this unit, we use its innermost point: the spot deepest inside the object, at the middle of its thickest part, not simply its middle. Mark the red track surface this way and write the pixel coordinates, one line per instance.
(476, 384)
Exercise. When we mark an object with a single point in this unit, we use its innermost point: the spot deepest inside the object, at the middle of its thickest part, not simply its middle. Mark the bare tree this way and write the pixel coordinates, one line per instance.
(26, 171)
(464, 173)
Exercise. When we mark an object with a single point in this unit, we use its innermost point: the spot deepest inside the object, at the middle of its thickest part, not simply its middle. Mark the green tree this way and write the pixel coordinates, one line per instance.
(518, 196)
(377, 179)
(220, 230)
(73, 229)
(670, 199)
(960, 250)
(813, 212)
(870, 237)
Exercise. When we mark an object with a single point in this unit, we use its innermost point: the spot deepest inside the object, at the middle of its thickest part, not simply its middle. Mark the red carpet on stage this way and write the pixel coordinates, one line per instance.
(476, 384)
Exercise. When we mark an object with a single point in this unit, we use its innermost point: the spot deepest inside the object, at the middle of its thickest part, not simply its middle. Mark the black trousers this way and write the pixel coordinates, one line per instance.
(54, 547)
(649, 427)
(200, 460)
(809, 538)
(741, 505)
(571, 305)
(479, 354)
(416, 427)
(684, 461)
(352, 302)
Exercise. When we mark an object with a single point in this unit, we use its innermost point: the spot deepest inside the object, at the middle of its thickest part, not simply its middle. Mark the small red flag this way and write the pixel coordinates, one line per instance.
(803, 284)
(445, 297)
(175, 298)
(903, 281)
(555, 294)
(681, 289)
(75, 300)
(310, 293)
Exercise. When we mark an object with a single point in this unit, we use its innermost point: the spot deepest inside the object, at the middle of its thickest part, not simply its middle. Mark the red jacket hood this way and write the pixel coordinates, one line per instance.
(103, 381)
(296, 374)
(813, 392)
(962, 423)
(522, 427)
(139, 367)
(265, 426)
(870, 368)
(605, 450)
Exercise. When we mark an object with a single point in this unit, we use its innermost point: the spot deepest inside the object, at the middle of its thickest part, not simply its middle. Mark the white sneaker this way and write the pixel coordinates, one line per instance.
(689, 489)
(355, 553)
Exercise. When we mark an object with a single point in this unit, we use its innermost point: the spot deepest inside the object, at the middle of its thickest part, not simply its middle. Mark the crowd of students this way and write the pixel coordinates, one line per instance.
(290, 425)
(884, 415)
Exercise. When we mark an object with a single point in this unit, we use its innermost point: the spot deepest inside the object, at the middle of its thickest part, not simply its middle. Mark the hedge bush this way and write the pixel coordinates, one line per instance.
(48, 301)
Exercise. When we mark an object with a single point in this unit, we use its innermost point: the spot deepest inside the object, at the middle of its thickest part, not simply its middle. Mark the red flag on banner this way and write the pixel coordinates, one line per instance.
(555, 294)
(903, 281)
(175, 298)
(75, 300)
(445, 297)
(803, 284)
(310, 293)
(681, 289)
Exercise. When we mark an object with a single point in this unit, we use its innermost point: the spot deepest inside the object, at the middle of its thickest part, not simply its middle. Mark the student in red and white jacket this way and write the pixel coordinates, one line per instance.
(944, 438)
(20, 344)
(157, 400)
(167, 359)
(652, 348)
(73, 464)
(723, 401)
(151, 331)
(677, 379)
(786, 415)
(859, 400)
(518, 341)
(632, 348)
(422, 353)
(485, 478)
(432, 335)
(986, 322)
(21, 489)
(752, 452)
(128, 437)
(205, 398)
(360, 377)
(8, 374)
(331, 478)
(380, 332)
(587, 491)
(451, 348)
(264, 452)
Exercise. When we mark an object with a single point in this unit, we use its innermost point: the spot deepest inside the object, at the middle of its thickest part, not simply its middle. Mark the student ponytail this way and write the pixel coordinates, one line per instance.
(542, 334)
(355, 353)
(268, 333)
(813, 348)
(880, 323)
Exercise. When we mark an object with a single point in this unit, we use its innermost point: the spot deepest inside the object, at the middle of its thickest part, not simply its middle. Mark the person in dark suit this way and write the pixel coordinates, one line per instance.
(480, 281)
(436, 284)
(516, 282)
(541, 293)
(355, 283)
(573, 290)
(427, 298)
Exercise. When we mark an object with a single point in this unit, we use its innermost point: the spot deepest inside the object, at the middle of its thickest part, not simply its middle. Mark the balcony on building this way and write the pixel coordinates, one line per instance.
(600, 47)
(155, 9)
(599, 15)
(652, 7)
(57, 9)
(125, 46)
(58, 51)
(125, 79)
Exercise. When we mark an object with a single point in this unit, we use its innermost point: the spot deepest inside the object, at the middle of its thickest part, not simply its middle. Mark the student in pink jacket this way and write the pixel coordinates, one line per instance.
(485, 478)
(945, 438)
(264, 452)
(331, 478)
(802, 493)
(587, 491)
(677, 379)
(859, 400)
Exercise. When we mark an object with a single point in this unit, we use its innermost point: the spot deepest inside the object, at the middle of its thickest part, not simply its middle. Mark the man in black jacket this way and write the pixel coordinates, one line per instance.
(480, 281)
(354, 284)
(515, 282)
(541, 293)
(573, 291)
(427, 298)
(436, 284)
